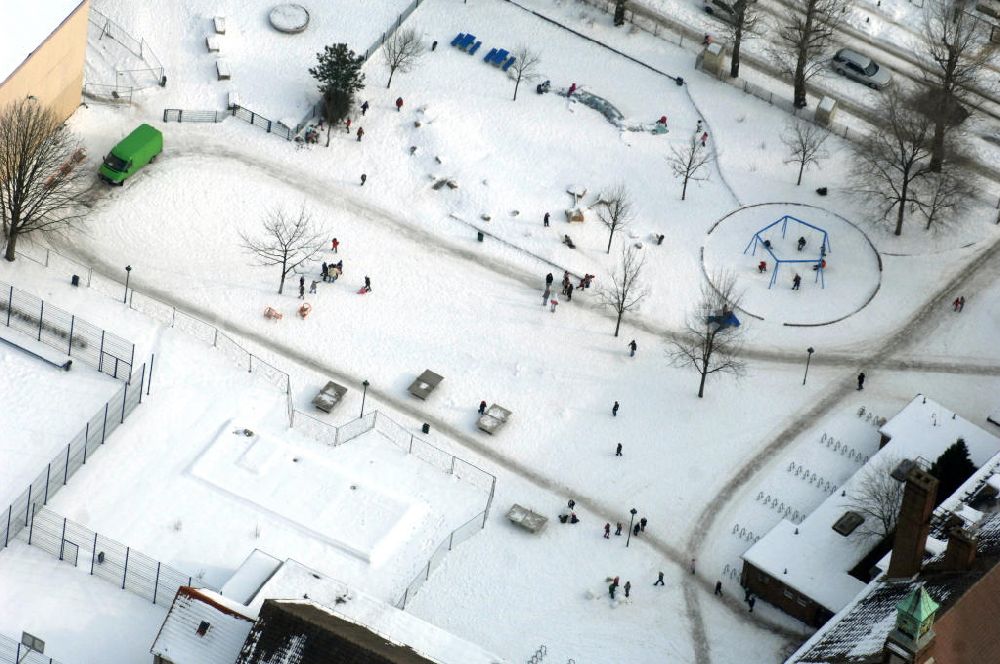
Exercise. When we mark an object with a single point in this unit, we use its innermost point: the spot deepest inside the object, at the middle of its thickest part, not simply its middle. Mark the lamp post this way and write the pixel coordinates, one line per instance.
(630, 520)
(809, 355)
(365, 385)
(128, 273)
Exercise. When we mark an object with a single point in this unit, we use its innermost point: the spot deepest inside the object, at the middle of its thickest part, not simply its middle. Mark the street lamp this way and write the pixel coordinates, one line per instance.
(128, 273)
(364, 384)
(630, 520)
(810, 352)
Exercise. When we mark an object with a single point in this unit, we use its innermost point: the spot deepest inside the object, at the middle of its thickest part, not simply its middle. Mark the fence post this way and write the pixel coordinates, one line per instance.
(142, 379)
(31, 526)
(451, 539)
(104, 429)
(124, 401)
(452, 465)
(100, 360)
(215, 341)
(93, 555)
(27, 508)
(48, 471)
(41, 319)
(156, 584)
(66, 469)
(428, 575)
(149, 383)
(411, 444)
(62, 540)
(6, 535)
(125, 571)
(250, 370)
(72, 322)
(10, 304)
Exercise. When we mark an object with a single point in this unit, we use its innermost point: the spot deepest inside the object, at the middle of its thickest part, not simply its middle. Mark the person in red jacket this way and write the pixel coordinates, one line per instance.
(399, 103)
(572, 89)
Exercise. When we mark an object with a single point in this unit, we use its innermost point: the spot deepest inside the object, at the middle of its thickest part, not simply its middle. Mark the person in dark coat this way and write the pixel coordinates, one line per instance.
(399, 103)
(861, 381)
(434, 45)
(611, 590)
(569, 293)
(796, 282)
(618, 450)
(302, 288)
(368, 285)
(614, 409)
(482, 409)
(659, 580)
(718, 587)
(751, 602)
(632, 346)
(642, 524)
(618, 529)
(628, 588)
(635, 530)
(545, 295)
(607, 531)
(573, 518)
(325, 272)
(364, 108)
(545, 220)
(548, 279)
(801, 243)
(361, 132)
(364, 178)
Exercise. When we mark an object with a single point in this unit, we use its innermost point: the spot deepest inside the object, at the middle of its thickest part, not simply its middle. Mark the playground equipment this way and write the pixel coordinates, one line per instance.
(784, 254)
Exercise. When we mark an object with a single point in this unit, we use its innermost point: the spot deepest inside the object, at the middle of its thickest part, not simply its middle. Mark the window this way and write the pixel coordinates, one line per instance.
(846, 524)
(788, 593)
(802, 601)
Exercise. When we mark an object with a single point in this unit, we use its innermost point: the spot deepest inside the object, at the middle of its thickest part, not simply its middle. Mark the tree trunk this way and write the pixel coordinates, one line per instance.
(392, 70)
(284, 273)
(329, 128)
(800, 82)
(618, 325)
(802, 167)
(517, 84)
(701, 385)
(10, 253)
(902, 209)
(684, 189)
(734, 60)
(611, 236)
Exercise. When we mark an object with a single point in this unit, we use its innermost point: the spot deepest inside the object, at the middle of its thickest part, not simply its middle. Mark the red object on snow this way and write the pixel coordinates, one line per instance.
(762, 266)
(399, 103)
(572, 89)
(662, 120)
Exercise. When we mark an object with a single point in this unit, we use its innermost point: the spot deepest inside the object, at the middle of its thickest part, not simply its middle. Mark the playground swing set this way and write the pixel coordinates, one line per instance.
(818, 263)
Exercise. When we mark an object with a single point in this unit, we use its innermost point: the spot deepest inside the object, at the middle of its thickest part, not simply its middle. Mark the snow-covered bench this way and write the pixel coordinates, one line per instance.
(234, 99)
(220, 24)
(222, 67)
(35, 348)
(425, 384)
(213, 43)
(493, 419)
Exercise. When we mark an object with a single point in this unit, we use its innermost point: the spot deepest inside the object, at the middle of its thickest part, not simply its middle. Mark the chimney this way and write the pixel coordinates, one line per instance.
(961, 551)
(913, 524)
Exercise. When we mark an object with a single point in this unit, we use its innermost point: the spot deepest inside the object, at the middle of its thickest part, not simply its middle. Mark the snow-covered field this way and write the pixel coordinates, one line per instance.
(472, 312)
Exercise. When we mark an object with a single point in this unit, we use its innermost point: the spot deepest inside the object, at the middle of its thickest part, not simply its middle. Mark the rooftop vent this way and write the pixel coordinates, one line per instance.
(846, 524)
(203, 628)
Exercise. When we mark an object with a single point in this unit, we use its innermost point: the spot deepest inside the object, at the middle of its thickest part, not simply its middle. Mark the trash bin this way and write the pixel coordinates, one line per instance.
(480, 236)
(426, 428)
(75, 280)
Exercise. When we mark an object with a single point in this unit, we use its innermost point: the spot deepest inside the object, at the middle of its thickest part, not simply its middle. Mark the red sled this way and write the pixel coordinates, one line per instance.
(362, 291)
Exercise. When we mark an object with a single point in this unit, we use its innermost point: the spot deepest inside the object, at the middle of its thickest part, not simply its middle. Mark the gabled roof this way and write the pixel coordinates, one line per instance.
(179, 641)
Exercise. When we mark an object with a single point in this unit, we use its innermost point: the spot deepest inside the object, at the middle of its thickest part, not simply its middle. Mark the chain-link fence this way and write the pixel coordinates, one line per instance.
(457, 536)
(106, 558)
(395, 25)
(184, 115)
(63, 331)
(14, 652)
(67, 461)
(105, 28)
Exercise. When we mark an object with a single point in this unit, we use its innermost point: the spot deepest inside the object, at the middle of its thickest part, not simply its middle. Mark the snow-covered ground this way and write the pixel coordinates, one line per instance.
(472, 312)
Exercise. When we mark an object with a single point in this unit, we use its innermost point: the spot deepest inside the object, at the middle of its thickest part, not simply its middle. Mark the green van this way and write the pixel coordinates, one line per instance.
(132, 153)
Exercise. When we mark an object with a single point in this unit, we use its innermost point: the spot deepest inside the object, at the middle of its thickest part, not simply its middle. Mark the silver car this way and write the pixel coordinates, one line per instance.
(861, 68)
(720, 9)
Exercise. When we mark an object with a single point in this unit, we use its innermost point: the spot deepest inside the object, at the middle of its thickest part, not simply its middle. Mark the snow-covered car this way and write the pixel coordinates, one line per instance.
(859, 67)
(720, 9)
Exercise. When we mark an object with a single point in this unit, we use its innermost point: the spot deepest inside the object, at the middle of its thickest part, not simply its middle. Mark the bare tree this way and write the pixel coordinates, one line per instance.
(744, 21)
(893, 166)
(614, 209)
(402, 51)
(525, 67)
(625, 289)
(804, 141)
(689, 163)
(44, 186)
(287, 241)
(961, 51)
(876, 497)
(803, 37)
(712, 344)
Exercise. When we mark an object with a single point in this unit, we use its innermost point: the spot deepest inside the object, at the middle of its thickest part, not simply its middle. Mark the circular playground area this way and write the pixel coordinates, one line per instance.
(794, 264)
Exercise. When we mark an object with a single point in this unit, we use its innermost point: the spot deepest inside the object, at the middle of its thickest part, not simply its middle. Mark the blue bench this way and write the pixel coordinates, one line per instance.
(475, 47)
(489, 56)
(499, 58)
(466, 42)
(459, 37)
(508, 64)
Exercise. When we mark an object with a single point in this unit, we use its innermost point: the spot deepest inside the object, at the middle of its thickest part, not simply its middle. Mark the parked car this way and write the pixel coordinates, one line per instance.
(720, 9)
(131, 154)
(859, 67)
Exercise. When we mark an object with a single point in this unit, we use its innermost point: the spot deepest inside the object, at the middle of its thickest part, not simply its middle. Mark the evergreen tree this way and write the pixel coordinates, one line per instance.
(339, 69)
(952, 468)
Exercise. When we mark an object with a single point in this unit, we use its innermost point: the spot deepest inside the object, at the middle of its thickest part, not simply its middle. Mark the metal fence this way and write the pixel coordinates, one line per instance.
(106, 558)
(154, 70)
(182, 115)
(115, 94)
(395, 25)
(457, 536)
(66, 462)
(13, 652)
(63, 331)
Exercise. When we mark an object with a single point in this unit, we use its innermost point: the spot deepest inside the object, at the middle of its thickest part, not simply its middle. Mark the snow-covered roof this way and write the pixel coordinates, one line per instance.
(812, 557)
(228, 626)
(24, 26)
(243, 585)
(294, 581)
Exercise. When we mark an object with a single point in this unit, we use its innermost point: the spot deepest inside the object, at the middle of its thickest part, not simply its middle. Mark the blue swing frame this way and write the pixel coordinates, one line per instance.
(825, 249)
